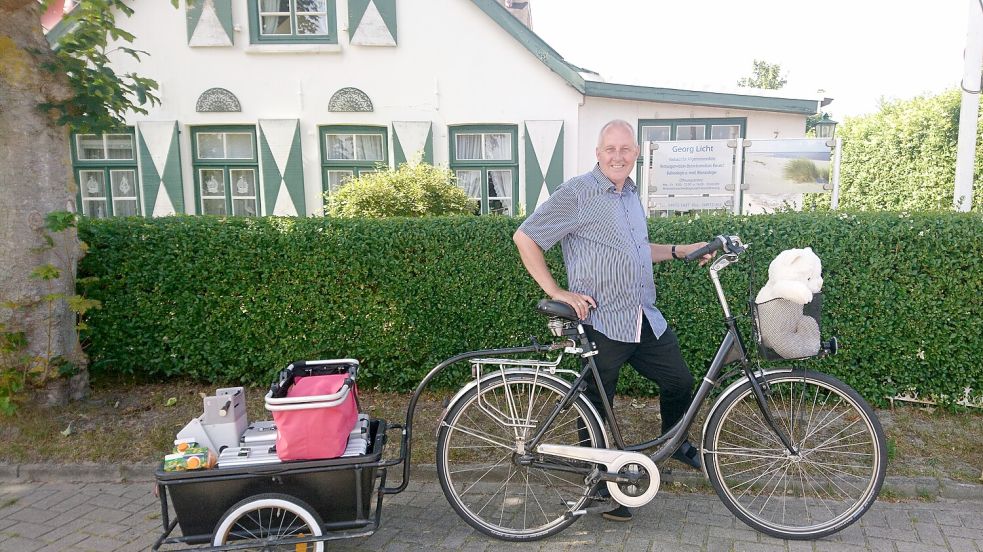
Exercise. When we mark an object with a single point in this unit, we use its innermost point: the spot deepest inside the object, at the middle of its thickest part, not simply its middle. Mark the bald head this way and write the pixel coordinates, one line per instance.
(617, 151)
(616, 123)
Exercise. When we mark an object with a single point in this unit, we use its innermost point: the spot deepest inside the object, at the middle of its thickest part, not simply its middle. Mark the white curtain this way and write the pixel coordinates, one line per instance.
(500, 192)
(469, 146)
(470, 182)
(498, 147)
(370, 147)
(340, 146)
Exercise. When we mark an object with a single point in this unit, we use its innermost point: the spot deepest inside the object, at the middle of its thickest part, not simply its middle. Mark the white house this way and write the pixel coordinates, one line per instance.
(267, 104)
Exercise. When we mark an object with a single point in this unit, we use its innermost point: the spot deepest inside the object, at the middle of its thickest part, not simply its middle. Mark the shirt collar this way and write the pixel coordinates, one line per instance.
(609, 186)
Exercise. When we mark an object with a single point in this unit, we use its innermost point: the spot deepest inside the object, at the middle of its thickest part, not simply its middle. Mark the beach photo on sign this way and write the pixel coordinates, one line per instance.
(787, 166)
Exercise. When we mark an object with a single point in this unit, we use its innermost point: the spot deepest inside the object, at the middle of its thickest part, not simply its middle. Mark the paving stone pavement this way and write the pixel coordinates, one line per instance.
(110, 517)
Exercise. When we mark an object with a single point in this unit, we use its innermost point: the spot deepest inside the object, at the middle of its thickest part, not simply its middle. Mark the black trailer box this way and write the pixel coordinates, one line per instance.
(339, 489)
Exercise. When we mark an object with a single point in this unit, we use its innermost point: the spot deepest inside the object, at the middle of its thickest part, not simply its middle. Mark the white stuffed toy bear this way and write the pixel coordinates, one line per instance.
(793, 277)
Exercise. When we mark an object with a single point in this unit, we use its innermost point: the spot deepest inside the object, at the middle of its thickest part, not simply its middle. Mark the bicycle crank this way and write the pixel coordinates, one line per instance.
(632, 478)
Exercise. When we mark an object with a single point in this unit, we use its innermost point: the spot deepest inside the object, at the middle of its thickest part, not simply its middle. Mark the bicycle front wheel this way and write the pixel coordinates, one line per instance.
(478, 444)
(827, 484)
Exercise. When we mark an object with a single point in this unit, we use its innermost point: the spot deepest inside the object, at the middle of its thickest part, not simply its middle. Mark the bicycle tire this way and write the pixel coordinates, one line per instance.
(828, 485)
(263, 519)
(476, 454)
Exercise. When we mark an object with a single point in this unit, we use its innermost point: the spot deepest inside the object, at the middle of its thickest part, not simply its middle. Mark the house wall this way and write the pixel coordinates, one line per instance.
(596, 112)
(471, 71)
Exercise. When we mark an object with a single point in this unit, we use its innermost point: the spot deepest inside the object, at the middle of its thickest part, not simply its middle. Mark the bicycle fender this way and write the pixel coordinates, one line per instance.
(716, 404)
(498, 374)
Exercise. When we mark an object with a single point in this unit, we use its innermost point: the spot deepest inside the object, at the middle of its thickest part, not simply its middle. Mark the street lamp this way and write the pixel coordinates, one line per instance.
(825, 127)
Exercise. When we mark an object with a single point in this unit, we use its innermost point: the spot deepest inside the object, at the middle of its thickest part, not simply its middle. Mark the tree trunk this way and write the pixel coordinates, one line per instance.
(35, 179)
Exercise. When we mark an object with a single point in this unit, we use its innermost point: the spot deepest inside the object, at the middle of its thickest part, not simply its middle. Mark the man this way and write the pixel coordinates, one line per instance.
(598, 220)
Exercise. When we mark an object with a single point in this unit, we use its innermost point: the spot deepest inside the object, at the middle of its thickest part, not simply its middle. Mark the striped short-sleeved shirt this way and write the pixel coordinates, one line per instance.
(606, 251)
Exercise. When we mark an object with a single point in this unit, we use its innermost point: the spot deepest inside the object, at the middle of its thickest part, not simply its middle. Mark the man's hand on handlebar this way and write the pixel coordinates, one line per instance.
(580, 302)
(686, 250)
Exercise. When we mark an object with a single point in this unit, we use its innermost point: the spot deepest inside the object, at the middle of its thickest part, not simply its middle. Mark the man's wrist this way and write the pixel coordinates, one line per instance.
(673, 252)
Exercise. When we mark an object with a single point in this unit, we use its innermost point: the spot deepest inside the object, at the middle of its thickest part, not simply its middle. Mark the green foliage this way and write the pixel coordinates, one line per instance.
(234, 299)
(406, 191)
(764, 75)
(903, 157)
(100, 97)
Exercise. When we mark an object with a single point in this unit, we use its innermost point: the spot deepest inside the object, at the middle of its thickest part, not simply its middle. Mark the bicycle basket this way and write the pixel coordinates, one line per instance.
(785, 330)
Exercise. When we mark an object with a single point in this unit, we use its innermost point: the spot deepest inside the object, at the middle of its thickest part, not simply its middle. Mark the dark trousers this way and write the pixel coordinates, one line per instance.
(656, 358)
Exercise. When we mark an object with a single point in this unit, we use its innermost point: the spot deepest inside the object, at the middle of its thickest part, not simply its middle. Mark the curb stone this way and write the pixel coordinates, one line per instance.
(90, 472)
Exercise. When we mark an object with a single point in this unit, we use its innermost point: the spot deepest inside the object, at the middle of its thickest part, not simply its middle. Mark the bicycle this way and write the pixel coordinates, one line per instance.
(522, 454)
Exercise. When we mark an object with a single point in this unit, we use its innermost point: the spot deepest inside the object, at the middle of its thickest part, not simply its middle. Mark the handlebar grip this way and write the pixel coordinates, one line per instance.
(714, 245)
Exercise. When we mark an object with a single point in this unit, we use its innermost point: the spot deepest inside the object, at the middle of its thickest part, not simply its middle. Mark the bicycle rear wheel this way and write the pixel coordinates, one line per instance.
(477, 445)
(831, 481)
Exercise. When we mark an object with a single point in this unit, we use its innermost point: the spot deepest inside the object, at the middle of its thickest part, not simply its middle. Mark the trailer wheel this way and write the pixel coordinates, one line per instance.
(266, 520)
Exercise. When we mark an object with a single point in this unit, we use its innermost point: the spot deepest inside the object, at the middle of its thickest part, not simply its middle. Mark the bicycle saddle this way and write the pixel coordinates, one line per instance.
(558, 309)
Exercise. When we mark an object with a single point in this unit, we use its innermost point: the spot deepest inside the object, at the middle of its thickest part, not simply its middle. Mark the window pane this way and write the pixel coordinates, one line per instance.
(92, 184)
(304, 6)
(725, 132)
(370, 147)
(212, 183)
(119, 146)
(90, 146)
(655, 133)
(470, 182)
(239, 145)
(500, 192)
(468, 147)
(94, 208)
(690, 132)
(276, 25)
(339, 146)
(274, 6)
(498, 147)
(243, 182)
(124, 184)
(244, 207)
(210, 145)
(312, 24)
(125, 207)
(337, 179)
(213, 206)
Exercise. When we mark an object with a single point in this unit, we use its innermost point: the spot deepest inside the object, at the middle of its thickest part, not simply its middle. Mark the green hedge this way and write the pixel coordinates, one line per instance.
(225, 300)
(903, 157)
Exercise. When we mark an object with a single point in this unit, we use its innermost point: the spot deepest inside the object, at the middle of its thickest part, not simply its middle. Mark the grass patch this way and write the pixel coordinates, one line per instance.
(126, 422)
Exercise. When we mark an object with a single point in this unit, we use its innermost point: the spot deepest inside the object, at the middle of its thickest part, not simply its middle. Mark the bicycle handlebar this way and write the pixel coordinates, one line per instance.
(730, 244)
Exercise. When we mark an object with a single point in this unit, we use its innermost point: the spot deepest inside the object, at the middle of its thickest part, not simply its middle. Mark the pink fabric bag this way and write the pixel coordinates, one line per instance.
(316, 417)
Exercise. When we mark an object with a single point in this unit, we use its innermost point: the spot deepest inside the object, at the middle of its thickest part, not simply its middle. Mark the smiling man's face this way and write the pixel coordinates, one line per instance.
(616, 154)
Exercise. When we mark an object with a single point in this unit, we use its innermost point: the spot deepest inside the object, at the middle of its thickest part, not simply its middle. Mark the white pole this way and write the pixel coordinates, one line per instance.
(962, 197)
(738, 177)
(834, 201)
(646, 174)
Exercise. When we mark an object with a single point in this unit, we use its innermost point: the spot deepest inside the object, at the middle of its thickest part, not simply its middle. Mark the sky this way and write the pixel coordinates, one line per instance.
(856, 51)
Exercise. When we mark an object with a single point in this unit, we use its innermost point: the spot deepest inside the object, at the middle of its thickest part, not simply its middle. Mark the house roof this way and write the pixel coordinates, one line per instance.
(584, 82)
(589, 87)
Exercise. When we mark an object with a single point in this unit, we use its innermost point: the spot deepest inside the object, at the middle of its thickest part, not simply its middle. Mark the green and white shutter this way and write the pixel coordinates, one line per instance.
(372, 22)
(160, 168)
(544, 161)
(283, 168)
(209, 22)
(412, 141)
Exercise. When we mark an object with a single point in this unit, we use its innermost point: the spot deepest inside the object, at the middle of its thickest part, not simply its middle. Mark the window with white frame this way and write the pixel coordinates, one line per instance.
(105, 168)
(286, 21)
(349, 151)
(667, 130)
(225, 170)
(485, 162)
